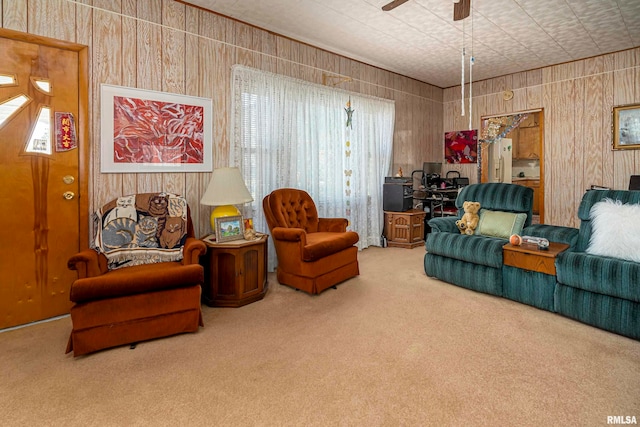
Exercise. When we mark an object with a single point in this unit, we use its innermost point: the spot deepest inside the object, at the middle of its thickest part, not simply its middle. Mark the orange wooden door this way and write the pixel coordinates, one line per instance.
(40, 226)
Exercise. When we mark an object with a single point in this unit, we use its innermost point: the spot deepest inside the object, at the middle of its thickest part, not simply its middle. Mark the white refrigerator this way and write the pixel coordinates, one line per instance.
(500, 160)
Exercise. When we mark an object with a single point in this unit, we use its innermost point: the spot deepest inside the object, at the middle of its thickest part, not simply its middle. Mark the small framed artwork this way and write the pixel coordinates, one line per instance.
(461, 146)
(229, 228)
(248, 224)
(626, 127)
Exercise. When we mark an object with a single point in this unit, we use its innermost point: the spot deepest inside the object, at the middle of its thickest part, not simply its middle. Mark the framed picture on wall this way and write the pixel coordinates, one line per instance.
(148, 131)
(626, 127)
(461, 146)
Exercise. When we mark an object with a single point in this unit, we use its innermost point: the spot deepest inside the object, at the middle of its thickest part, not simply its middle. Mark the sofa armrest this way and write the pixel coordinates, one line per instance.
(338, 225)
(553, 233)
(192, 251)
(290, 234)
(444, 225)
(88, 263)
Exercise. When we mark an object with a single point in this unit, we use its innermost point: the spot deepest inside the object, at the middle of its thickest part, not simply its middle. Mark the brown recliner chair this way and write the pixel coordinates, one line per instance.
(313, 253)
(143, 279)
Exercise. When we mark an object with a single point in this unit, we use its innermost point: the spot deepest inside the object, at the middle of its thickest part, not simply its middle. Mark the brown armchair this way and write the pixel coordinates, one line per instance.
(313, 253)
(143, 280)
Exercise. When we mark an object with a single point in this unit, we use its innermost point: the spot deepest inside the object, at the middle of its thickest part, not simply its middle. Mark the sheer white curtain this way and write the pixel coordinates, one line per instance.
(290, 133)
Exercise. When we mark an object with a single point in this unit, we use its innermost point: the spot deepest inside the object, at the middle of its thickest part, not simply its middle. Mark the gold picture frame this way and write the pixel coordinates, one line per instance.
(626, 127)
(229, 228)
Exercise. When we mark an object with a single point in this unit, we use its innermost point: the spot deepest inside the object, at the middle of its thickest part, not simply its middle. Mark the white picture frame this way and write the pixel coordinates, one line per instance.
(144, 131)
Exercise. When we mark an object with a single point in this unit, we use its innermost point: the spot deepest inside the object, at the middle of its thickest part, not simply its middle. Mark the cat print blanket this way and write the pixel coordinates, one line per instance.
(142, 229)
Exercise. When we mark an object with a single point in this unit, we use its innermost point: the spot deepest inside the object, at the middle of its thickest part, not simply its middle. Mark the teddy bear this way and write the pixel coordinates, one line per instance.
(469, 221)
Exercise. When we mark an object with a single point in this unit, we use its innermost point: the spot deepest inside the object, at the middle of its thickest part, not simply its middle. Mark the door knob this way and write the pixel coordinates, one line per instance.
(68, 195)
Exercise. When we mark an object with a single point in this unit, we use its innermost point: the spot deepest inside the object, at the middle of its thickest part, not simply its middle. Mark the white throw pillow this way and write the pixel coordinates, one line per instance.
(615, 230)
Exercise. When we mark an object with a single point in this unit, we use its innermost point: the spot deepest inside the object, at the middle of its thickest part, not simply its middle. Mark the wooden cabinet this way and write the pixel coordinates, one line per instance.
(537, 194)
(235, 272)
(527, 145)
(404, 229)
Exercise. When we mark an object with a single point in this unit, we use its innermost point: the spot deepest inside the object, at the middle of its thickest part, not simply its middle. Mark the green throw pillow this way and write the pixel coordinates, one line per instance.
(500, 224)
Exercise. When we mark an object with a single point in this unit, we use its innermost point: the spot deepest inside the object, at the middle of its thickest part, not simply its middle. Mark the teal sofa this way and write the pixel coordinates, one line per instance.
(474, 262)
(599, 290)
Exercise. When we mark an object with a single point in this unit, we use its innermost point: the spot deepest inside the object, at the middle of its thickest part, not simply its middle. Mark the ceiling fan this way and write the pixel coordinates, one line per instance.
(395, 3)
(461, 8)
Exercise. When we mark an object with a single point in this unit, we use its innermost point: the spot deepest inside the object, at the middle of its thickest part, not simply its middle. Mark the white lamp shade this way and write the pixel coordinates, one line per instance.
(226, 188)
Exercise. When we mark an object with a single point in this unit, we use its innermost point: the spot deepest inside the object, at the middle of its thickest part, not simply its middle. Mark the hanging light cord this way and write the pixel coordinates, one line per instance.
(471, 62)
(462, 58)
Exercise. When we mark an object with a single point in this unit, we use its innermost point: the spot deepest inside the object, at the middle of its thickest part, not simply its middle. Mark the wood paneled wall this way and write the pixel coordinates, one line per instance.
(577, 99)
(169, 46)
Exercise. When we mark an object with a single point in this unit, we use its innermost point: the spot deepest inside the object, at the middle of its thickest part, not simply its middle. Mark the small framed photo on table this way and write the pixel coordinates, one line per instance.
(248, 224)
(229, 228)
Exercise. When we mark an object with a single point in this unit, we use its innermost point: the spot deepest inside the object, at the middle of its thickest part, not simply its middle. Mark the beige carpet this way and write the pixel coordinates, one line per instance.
(391, 347)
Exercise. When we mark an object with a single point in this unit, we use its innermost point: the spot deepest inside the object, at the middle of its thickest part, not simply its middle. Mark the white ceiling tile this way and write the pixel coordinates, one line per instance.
(419, 39)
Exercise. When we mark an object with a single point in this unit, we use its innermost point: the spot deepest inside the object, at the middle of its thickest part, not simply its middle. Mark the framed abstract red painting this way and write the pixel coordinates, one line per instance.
(461, 146)
(149, 131)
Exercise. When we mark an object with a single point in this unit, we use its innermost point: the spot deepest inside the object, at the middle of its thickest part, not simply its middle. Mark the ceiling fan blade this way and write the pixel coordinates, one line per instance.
(395, 3)
(461, 9)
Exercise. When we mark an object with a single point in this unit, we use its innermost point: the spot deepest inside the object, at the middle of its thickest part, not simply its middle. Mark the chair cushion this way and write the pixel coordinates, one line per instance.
(482, 250)
(553, 233)
(322, 244)
(136, 280)
(139, 229)
(497, 196)
(292, 208)
(599, 274)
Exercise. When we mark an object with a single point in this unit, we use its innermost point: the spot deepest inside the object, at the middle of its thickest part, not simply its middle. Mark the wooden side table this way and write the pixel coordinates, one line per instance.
(529, 274)
(404, 229)
(235, 272)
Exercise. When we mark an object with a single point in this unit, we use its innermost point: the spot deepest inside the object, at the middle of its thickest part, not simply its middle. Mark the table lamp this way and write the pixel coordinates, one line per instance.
(226, 188)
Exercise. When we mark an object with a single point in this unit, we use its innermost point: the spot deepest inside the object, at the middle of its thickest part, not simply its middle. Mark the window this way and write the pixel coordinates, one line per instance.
(40, 138)
(290, 133)
(11, 107)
